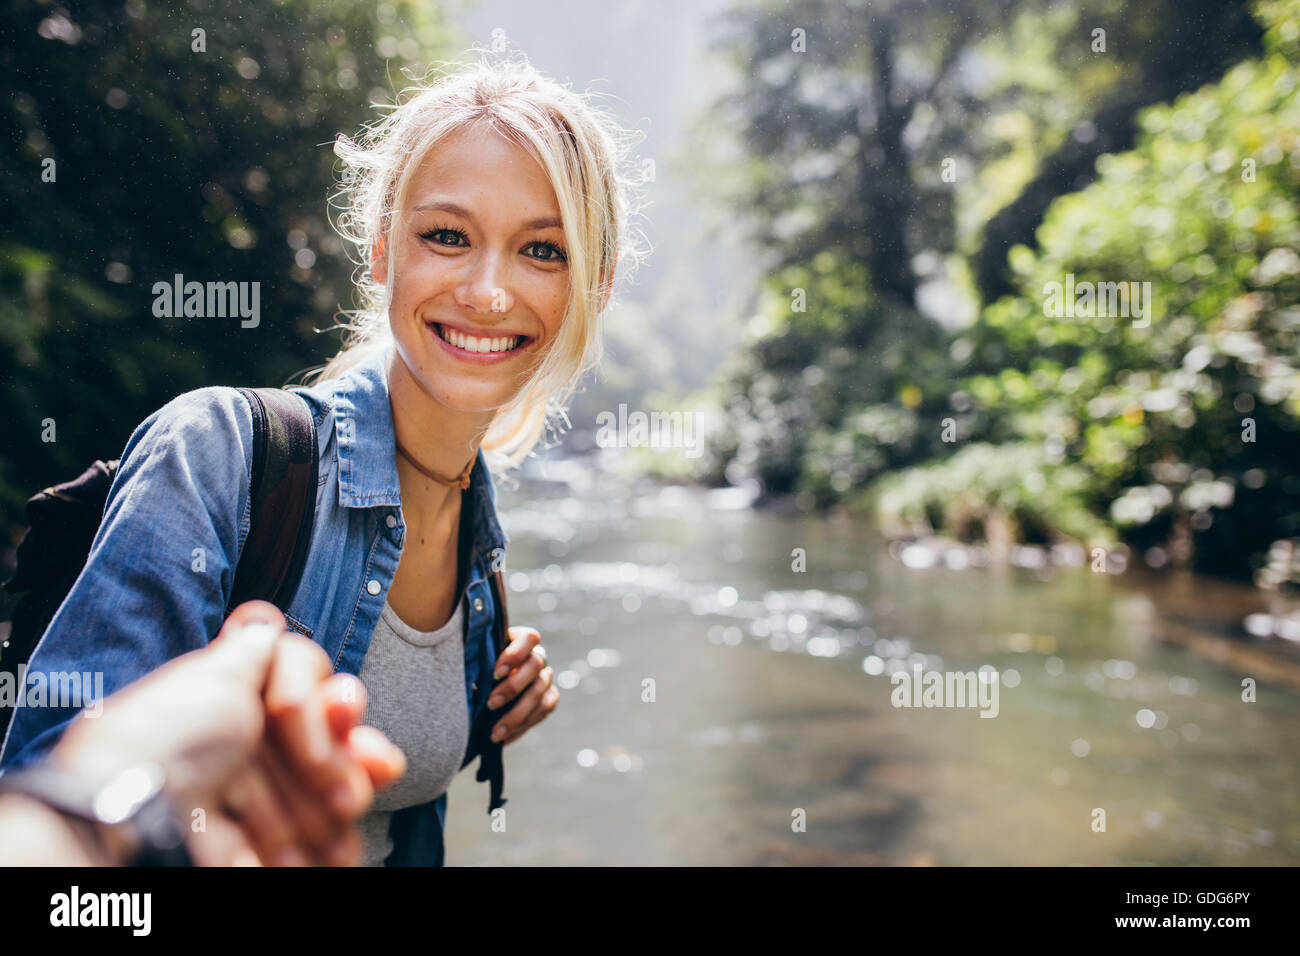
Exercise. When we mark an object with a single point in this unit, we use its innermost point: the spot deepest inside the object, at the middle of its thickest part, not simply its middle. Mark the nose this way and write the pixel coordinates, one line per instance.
(485, 288)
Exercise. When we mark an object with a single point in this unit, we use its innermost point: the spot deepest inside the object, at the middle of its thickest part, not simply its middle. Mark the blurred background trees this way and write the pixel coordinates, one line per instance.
(924, 382)
(215, 164)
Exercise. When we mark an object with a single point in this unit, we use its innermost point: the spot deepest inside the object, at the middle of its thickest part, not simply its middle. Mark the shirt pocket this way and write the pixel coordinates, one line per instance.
(297, 625)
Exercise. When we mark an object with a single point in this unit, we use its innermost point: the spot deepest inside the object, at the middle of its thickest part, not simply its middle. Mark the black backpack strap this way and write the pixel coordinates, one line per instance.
(285, 462)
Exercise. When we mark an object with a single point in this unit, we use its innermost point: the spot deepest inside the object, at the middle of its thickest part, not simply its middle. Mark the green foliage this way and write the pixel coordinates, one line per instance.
(1179, 431)
(808, 401)
(1160, 417)
(1013, 486)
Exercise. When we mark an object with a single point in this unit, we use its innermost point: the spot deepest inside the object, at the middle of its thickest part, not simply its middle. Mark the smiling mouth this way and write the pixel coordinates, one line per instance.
(480, 345)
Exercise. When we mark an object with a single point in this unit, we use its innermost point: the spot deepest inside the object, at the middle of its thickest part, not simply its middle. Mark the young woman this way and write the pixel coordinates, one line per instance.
(489, 212)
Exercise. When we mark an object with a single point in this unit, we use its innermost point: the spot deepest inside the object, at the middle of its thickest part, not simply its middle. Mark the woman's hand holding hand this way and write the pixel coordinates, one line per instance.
(324, 764)
(529, 685)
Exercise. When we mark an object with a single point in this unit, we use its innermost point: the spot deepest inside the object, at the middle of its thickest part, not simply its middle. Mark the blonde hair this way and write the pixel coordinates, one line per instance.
(582, 151)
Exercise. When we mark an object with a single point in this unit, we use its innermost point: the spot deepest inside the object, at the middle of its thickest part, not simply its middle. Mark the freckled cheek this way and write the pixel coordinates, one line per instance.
(552, 302)
(419, 282)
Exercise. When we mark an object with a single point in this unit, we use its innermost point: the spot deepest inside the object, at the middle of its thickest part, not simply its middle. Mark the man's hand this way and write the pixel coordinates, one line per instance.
(256, 733)
(531, 676)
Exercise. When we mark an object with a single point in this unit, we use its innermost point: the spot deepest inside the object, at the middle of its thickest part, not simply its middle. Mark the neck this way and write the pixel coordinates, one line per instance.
(441, 439)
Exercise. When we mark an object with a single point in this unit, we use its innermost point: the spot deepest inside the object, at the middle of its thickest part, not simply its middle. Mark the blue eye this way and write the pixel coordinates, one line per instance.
(556, 254)
(432, 234)
(559, 255)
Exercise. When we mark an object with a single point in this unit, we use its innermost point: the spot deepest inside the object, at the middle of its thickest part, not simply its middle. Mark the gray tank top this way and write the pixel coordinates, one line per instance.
(415, 691)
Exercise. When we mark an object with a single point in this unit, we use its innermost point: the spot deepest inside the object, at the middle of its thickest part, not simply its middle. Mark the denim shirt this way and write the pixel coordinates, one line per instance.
(161, 566)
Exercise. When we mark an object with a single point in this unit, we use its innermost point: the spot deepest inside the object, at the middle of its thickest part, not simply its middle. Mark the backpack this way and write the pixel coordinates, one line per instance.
(63, 519)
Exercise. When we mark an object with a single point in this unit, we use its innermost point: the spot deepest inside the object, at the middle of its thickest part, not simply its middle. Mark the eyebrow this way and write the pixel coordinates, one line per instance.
(547, 222)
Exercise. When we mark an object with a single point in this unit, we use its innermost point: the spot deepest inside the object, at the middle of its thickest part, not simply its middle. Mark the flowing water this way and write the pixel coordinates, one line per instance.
(720, 708)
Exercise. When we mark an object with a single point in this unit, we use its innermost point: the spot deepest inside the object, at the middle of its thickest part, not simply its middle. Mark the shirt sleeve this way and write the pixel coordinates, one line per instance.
(160, 568)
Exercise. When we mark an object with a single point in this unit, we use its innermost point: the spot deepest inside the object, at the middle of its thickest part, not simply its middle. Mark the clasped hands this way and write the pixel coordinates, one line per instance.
(267, 761)
(266, 758)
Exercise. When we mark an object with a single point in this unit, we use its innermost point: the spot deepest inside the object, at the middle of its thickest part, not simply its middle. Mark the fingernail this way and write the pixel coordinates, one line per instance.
(261, 634)
(494, 702)
(498, 733)
(501, 672)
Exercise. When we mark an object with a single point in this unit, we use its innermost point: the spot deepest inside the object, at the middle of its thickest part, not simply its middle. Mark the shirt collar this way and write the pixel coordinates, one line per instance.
(367, 451)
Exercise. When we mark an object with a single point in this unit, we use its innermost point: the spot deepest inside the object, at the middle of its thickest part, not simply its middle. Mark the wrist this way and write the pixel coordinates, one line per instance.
(33, 833)
(125, 815)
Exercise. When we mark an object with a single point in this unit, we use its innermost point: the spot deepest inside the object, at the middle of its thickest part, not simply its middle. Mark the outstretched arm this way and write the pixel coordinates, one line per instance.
(160, 568)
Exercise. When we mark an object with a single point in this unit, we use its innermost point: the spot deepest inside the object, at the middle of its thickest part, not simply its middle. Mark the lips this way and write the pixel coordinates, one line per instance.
(480, 344)
(478, 348)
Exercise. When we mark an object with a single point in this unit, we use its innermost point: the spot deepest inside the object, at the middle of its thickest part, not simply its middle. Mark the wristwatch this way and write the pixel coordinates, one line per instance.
(131, 805)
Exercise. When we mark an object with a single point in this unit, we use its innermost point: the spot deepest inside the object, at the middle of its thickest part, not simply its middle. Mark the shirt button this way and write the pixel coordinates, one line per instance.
(478, 604)
(373, 586)
(390, 521)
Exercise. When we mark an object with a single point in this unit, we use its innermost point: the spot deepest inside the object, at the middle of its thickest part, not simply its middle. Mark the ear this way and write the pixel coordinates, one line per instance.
(379, 263)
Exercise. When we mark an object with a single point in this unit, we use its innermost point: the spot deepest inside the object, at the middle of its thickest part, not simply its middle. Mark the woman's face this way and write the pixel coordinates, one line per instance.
(481, 275)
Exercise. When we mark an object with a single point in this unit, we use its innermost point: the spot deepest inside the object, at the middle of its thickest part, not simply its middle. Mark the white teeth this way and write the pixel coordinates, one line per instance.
(471, 344)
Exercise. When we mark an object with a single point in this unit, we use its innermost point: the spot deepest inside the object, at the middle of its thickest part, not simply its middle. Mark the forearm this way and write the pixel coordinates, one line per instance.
(33, 834)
